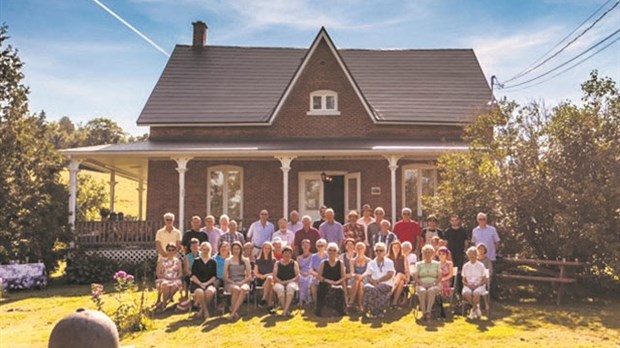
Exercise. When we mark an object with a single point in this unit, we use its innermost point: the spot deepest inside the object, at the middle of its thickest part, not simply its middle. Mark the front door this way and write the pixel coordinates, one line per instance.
(341, 193)
(333, 196)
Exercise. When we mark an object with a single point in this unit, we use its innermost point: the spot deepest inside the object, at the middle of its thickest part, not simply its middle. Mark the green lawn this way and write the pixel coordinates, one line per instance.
(27, 317)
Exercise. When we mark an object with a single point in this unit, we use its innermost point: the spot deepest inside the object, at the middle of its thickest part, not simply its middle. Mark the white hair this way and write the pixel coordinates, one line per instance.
(169, 216)
(306, 217)
(407, 244)
(381, 244)
(329, 210)
(333, 245)
(472, 250)
(406, 210)
(428, 247)
(224, 217)
(480, 216)
(386, 222)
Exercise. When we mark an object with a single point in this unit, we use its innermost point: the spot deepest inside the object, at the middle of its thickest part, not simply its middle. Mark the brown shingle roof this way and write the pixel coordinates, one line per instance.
(222, 84)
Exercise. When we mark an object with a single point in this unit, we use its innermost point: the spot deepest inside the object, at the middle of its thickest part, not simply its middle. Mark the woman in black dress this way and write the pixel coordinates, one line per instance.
(203, 279)
(332, 282)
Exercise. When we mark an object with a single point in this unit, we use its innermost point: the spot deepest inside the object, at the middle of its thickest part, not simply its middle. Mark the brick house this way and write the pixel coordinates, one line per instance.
(237, 129)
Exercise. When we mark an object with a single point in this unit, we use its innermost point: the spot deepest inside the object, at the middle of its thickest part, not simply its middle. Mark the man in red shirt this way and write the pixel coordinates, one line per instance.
(408, 230)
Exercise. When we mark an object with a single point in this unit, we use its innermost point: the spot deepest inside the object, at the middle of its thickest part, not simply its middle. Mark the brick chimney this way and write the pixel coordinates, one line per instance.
(200, 34)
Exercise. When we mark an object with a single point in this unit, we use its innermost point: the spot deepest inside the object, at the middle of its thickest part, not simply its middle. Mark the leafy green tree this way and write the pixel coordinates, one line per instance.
(33, 209)
(550, 179)
(91, 198)
(99, 131)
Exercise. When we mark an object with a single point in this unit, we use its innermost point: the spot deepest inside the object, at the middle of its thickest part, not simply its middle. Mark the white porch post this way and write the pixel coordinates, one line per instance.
(140, 198)
(182, 168)
(112, 189)
(393, 166)
(74, 167)
(286, 167)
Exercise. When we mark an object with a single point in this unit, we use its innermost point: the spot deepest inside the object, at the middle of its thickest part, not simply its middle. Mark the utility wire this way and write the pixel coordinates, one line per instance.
(529, 70)
(566, 62)
(569, 68)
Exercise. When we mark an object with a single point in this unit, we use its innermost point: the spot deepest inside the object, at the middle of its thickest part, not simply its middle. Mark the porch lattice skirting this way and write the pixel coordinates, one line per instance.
(123, 255)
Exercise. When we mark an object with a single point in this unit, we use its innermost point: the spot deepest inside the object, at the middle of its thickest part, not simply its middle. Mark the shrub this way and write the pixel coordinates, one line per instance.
(87, 269)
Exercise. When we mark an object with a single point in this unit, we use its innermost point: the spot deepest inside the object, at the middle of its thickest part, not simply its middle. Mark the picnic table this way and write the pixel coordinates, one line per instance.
(23, 276)
(557, 272)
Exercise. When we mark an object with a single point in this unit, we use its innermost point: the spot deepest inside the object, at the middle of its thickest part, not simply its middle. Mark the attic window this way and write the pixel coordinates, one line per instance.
(324, 103)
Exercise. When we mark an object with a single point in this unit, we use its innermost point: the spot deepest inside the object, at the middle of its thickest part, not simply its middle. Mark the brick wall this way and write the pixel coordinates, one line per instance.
(262, 185)
(322, 72)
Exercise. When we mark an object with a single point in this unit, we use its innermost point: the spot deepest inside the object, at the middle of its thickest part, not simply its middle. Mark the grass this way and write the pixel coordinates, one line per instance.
(27, 318)
(126, 192)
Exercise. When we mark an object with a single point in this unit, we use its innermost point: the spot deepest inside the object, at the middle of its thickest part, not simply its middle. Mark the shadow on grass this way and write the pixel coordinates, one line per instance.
(57, 290)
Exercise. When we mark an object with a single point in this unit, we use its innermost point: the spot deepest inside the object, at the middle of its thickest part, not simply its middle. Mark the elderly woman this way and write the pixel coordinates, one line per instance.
(286, 274)
(169, 274)
(411, 257)
(204, 279)
(224, 221)
(317, 258)
(358, 274)
(332, 283)
(353, 229)
(277, 248)
(379, 282)
(237, 275)
(473, 282)
(263, 271)
(446, 267)
(305, 272)
(428, 276)
(401, 268)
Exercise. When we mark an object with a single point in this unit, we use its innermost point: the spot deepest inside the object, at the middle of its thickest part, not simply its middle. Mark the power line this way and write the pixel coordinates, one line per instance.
(566, 62)
(569, 68)
(529, 70)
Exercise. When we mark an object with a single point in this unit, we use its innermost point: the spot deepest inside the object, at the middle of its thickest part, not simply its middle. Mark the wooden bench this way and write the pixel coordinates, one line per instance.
(543, 271)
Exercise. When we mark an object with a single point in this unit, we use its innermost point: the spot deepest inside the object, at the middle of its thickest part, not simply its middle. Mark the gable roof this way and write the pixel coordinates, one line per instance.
(226, 85)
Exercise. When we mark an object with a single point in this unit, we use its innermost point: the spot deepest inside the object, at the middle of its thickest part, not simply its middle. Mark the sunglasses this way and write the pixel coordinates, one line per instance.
(330, 250)
(171, 249)
(406, 213)
(379, 251)
(320, 246)
(169, 220)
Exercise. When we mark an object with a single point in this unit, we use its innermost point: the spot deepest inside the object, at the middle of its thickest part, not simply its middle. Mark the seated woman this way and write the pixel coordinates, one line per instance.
(473, 282)
(248, 253)
(428, 277)
(188, 262)
(222, 255)
(332, 283)
(237, 278)
(347, 257)
(411, 257)
(263, 271)
(204, 279)
(305, 272)
(446, 267)
(317, 258)
(286, 273)
(358, 267)
(169, 273)
(277, 249)
(401, 268)
(379, 282)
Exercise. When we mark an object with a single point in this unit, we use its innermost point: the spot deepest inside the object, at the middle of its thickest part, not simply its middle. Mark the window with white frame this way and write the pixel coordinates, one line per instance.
(324, 102)
(418, 181)
(225, 191)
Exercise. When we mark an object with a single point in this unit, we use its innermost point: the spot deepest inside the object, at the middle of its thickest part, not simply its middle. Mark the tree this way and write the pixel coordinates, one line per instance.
(99, 131)
(550, 179)
(91, 198)
(33, 210)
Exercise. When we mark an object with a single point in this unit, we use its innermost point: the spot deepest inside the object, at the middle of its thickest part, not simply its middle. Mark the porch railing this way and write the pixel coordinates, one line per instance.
(116, 233)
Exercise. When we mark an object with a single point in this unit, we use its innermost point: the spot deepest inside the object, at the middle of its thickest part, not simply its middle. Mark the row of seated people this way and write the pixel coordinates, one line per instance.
(333, 282)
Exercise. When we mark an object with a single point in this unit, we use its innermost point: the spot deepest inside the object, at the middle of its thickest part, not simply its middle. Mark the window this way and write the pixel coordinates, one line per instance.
(418, 181)
(324, 102)
(225, 191)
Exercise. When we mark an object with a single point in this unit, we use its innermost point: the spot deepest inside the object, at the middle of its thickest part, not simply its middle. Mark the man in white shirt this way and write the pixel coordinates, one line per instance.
(286, 236)
(260, 232)
(474, 281)
(486, 234)
(167, 234)
(294, 223)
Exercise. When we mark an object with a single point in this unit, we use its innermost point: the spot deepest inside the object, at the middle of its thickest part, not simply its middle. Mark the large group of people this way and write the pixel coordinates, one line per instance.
(366, 265)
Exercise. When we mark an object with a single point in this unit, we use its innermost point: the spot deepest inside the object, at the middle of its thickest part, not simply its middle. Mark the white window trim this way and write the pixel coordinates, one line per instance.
(418, 166)
(224, 168)
(324, 93)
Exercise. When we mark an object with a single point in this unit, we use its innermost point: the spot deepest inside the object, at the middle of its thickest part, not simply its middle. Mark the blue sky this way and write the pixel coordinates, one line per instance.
(83, 63)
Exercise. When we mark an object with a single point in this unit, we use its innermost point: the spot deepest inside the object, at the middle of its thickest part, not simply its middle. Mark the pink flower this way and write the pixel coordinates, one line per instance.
(120, 275)
(129, 278)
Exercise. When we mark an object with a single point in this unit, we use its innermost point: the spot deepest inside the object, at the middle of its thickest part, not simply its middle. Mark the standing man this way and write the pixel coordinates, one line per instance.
(232, 235)
(456, 236)
(286, 236)
(193, 232)
(407, 230)
(373, 229)
(260, 232)
(294, 223)
(321, 219)
(307, 232)
(167, 234)
(213, 233)
(385, 235)
(331, 230)
(431, 231)
(486, 234)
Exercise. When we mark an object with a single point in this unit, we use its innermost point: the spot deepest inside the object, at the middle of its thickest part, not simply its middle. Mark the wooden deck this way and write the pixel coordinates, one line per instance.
(123, 234)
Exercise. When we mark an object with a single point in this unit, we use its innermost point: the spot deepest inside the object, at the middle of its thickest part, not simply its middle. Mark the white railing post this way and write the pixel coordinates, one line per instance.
(181, 169)
(285, 161)
(393, 166)
(74, 168)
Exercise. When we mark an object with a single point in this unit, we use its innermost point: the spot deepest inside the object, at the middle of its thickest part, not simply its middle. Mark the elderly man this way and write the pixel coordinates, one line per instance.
(286, 236)
(354, 230)
(385, 235)
(331, 230)
(408, 230)
(294, 223)
(373, 229)
(307, 232)
(193, 232)
(232, 235)
(487, 235)
(212, 232)
(260, 232)
(167, 234)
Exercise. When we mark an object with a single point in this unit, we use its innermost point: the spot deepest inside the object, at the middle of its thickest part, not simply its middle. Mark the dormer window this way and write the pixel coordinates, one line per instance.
(324, 103)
